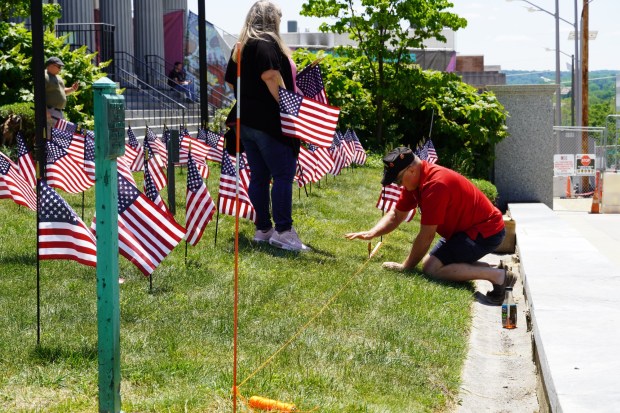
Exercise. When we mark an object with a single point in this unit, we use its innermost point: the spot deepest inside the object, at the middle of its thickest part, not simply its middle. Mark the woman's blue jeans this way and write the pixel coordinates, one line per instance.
(270, 160)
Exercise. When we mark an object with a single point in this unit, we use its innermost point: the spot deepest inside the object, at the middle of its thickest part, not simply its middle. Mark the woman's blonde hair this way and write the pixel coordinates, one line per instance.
(262, 19)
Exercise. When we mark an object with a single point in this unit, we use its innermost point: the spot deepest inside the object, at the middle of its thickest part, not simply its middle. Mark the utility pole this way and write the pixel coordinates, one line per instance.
(584, 67)
(584, 85)
(558, 78)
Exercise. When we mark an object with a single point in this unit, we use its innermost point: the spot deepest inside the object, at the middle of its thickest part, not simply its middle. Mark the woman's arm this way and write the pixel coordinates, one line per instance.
(272, 79)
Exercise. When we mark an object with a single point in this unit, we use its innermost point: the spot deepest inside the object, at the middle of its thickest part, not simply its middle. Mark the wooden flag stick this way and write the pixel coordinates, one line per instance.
(374, 251)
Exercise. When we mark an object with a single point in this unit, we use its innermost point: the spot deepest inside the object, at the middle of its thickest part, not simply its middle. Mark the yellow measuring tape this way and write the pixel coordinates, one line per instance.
(275, 405)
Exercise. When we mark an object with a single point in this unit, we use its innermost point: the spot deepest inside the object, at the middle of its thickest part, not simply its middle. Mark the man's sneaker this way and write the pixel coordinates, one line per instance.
(263, 236)
(496, 295)
(288, 240)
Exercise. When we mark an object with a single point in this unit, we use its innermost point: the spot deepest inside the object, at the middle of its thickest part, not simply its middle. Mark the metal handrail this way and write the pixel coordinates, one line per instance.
(162, 63)
(153, 102)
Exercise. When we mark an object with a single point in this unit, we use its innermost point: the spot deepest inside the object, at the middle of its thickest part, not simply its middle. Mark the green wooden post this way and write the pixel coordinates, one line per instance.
(109, 144)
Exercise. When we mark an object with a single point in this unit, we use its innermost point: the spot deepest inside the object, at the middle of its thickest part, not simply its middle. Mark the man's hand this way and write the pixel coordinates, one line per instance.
(394, 266)
(359, 235)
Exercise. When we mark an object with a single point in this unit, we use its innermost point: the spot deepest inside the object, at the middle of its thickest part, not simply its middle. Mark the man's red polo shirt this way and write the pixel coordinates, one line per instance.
(450, 201)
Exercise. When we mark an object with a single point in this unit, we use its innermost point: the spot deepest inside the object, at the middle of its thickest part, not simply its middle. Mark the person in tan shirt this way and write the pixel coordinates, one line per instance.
(55, 92)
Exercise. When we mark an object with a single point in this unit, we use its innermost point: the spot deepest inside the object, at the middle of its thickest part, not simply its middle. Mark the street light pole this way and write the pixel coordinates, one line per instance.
(558, 86)
(573, 76)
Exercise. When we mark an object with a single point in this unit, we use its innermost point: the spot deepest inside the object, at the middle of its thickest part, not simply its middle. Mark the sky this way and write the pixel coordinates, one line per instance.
(505, 32)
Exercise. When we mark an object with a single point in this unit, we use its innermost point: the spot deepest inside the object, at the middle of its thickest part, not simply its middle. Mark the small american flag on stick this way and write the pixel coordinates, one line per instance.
(61, 233)
(64, 171)
(25, 161)
(227, 190)
(310, 82)
(199, 205)
(306, 119)
(14, 186)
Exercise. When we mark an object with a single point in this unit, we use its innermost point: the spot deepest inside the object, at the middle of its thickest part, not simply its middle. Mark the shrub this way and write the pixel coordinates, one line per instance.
(487, 188)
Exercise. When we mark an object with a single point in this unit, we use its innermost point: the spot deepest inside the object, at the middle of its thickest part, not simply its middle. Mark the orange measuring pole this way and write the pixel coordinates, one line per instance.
(237, 207)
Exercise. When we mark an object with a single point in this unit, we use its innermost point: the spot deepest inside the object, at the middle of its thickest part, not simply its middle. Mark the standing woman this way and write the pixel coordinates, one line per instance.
(266, 64)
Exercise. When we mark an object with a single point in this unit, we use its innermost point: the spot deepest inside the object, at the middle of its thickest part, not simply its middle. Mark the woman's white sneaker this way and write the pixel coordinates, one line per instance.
(288, 240)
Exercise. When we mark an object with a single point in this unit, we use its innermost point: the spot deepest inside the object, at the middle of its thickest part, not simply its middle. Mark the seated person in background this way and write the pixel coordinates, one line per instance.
(177, 79)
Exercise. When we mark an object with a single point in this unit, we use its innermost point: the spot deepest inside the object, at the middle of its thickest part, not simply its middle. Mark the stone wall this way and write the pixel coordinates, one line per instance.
(524, 160)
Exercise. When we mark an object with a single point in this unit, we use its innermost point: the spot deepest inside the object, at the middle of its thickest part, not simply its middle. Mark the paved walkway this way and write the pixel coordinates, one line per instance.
(570, 266)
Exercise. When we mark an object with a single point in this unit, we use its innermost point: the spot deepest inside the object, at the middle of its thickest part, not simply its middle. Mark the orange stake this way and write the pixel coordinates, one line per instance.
(263, 403)
(237, 208)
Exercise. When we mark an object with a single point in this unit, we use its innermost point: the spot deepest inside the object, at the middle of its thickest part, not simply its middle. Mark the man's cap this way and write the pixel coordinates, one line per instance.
(394, 162)
(54, 61)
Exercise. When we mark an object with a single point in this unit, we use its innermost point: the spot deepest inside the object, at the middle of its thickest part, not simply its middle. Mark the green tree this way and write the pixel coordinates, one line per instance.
(385, 31)
(465, 124)
(16, 9)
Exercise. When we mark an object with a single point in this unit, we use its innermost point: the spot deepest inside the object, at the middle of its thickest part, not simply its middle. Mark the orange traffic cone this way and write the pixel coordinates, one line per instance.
(568, 189)
(596, 198)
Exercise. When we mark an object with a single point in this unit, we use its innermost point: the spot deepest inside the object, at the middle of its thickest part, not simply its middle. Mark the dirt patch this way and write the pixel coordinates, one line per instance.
(499, 374)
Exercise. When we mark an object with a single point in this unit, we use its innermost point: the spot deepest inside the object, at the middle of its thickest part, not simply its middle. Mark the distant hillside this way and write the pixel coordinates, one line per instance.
(524, 77)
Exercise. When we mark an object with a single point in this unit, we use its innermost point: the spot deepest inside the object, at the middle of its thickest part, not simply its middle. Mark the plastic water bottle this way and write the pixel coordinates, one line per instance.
(509, 310)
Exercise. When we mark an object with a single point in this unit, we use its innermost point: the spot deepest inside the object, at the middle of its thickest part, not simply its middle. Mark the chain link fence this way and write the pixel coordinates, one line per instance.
(579, 153)
(610, 149)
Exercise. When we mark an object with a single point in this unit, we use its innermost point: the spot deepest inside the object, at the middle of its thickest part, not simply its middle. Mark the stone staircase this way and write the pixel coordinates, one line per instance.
(159, 109)
(156, 119)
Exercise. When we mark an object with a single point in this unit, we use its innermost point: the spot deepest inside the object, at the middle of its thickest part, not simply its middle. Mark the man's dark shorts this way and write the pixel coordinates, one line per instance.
(462, 249)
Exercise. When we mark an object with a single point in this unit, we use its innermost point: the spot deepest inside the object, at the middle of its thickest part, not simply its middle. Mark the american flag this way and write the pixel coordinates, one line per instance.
(61, 233)
(388, 197)
(183, 152)
(123, 169)
(199, 150)
(134, 153)
(158, 147)
(306, 165)
(65, 125)
(152, 193)
(348, 146)
(63, 171)
(310, 82)
(25, 161)
(89, 154)
(337, 154)
(152, 164)
(324, 162)
(200, 207)
(244, 169)
(215, 142)
(146, 234)
(14, 186)
(227, 190)
(359, 156)
(307, 119)
(427, 152)
(70, 142)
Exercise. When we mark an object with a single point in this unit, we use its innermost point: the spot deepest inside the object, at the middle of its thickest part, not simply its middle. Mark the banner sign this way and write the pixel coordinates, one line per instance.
(564, 164)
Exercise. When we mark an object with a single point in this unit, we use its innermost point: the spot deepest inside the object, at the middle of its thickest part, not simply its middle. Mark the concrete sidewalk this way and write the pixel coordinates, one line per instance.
(570, 267)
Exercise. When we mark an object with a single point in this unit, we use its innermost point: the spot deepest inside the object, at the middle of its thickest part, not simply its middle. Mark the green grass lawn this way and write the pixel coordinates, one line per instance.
(388, 343)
